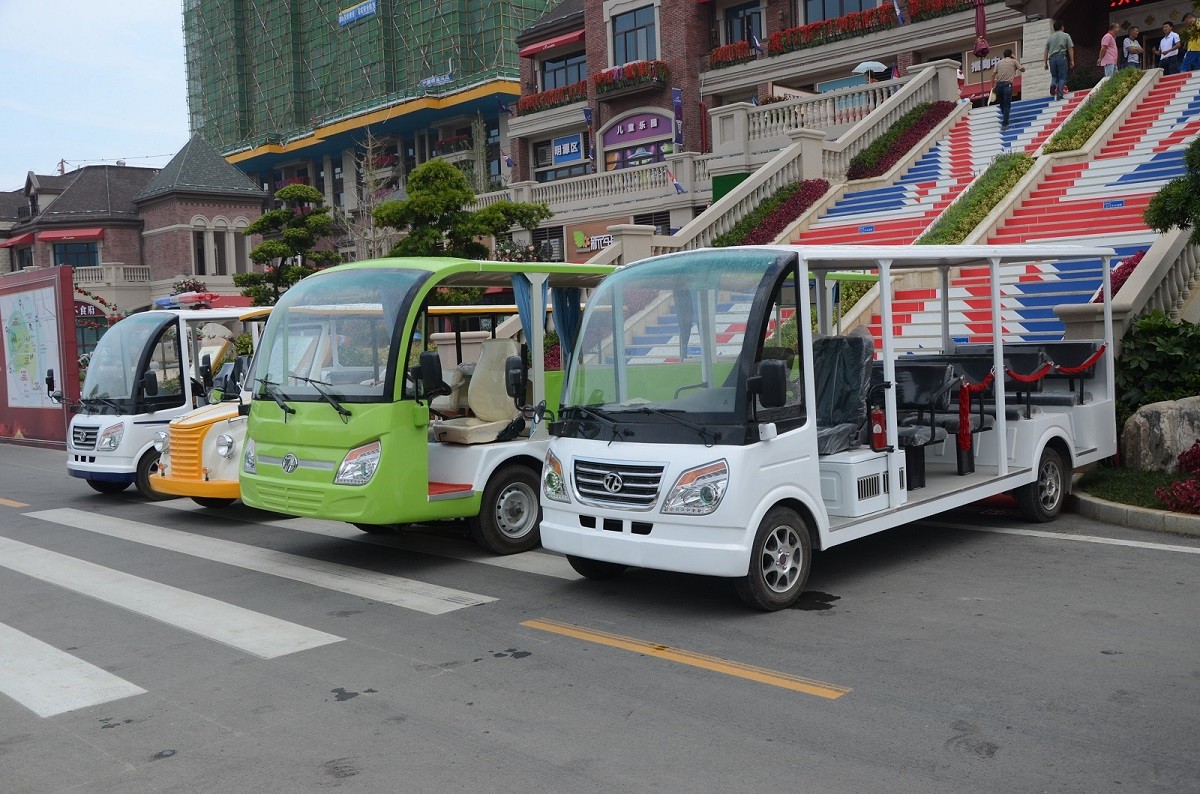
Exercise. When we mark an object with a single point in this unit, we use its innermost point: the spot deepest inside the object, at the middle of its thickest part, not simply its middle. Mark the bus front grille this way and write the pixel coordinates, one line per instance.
(633, 487)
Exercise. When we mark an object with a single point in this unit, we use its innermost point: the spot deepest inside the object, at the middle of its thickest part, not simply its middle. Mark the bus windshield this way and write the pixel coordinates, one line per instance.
(112, 369)
(333, 332)
(667, 336)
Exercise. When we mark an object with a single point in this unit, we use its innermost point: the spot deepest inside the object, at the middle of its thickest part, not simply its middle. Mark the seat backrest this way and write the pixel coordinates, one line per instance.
(842, 369)
(486, 395)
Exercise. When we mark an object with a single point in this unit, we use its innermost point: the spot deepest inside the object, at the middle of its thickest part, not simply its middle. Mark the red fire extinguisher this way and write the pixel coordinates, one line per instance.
(878, 429)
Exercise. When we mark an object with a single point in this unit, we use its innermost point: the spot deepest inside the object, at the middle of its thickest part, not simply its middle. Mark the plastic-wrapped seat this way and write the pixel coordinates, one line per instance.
(842, 369)
(487, 398)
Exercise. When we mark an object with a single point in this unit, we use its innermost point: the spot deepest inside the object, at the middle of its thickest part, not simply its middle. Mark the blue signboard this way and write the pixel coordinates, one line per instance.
(568, 148)
(1114, 204)
(436, 80)
(355, 13)
(865, 229)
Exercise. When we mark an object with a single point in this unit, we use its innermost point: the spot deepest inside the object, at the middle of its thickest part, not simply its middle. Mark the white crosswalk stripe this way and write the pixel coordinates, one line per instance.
(420, 596)
(253, 632)
(48, 681)
(535, 562)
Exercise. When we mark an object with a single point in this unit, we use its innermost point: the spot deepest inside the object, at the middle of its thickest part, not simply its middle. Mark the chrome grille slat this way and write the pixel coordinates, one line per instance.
(639, 488)
(84, 437)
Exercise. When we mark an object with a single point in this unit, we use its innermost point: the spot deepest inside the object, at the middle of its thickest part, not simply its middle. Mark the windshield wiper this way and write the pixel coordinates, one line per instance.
(596, 413)
(704, 432)
(329, 398)
(111, 403)
(271, 389)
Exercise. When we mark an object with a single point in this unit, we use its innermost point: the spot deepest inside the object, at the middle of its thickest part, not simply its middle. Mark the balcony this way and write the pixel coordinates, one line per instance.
(631, 78)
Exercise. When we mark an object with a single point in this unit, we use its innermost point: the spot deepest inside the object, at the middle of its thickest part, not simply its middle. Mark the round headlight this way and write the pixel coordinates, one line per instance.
(226, 445)
(162, 441)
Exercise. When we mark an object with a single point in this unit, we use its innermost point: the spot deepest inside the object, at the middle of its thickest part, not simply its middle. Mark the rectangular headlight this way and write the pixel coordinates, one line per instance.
(358, 467)
(698, 491)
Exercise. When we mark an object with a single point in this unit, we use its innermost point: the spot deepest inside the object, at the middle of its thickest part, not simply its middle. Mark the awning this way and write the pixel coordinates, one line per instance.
(549, 44)
(21, 239)
(70, 235)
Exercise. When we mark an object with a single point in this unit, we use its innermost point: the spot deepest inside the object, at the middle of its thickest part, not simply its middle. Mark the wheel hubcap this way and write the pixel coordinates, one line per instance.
(1050, 486)
(781, 559)
(516, 510)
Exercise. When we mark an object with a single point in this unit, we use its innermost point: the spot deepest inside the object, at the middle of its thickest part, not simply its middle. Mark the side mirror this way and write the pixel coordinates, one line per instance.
(431, 374)
(150, 384)
(241, 365)
(514, 378)
(243, 409)
(206, 371)
(50, 383)
(56, 395)
(770, 384)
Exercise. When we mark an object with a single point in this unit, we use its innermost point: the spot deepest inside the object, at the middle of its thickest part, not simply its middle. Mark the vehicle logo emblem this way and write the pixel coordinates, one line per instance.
(613, 482)
(290, 462)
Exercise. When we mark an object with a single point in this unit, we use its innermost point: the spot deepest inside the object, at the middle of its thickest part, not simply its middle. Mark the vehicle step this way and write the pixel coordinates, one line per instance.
(450, 490)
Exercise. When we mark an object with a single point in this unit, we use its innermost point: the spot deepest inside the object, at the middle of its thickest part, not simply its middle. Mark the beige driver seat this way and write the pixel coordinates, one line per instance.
(487, 398)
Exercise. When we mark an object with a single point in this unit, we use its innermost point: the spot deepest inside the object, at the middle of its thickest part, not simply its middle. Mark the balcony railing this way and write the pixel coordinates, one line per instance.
(112, 274)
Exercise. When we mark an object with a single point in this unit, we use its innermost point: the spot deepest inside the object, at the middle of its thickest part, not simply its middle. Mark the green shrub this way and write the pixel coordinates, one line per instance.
(1096, 108)
(961, 217)
(789, 202)
(1160, 360)
(900, 139)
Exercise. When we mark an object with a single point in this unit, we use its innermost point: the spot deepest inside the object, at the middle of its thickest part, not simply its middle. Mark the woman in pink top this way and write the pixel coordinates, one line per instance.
(1108, 50)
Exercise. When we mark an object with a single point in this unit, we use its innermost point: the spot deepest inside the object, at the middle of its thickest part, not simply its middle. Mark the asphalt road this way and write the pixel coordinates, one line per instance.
(163, 647)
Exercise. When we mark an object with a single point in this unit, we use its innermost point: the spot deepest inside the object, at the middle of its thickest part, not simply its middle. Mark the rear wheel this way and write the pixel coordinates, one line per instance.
(596, 569)
(779, 561)
(1041, 501)
(509, 517)
(212, 502)
(146, 469)
(105, 486)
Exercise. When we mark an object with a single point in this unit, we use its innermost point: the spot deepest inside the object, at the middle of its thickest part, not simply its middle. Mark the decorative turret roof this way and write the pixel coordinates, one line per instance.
(199, 168)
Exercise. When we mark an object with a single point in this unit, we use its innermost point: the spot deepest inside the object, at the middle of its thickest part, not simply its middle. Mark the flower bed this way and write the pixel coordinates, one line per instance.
(764, 225)
(1121, 274)
(631, 74)
(961, 217)
(919, 10)
(555, 97)
(1099, 105)
(881, 17)
(899, 140)
(738, 52)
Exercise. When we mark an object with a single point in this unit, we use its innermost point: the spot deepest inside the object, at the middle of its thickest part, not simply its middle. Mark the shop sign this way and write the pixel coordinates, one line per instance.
(83, 309)
(567, 149)
(639, 127)
(586, 239)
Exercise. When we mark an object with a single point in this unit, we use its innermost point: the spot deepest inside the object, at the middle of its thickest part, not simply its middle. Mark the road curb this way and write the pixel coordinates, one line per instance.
(1135, 517)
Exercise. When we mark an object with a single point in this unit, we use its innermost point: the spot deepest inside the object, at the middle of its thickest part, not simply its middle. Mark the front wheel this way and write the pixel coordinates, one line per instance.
(780, 560)
(105, 486)
(212, 502)
(595, 569)
(509, 517)
(147, 467)
(1041, 501)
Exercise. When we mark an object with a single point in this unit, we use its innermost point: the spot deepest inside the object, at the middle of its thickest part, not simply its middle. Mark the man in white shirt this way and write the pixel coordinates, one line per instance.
(1168, 49)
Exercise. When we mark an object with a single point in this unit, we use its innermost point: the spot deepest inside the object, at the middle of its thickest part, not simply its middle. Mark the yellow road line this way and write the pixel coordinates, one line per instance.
(762, 675)
(11, 503)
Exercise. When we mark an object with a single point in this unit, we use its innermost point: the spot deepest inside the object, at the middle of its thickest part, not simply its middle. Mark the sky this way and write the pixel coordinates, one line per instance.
(90, 82)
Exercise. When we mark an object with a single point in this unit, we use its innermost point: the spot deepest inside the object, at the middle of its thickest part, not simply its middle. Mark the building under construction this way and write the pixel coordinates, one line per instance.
(287, 90)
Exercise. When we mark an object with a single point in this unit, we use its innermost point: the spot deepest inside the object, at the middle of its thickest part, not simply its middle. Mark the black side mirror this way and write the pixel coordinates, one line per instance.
(243, 408)
(514, 378)
(770, 384)
(431, 374)
(150, 384)
(206, 371)
(50, 382)
(241, 365)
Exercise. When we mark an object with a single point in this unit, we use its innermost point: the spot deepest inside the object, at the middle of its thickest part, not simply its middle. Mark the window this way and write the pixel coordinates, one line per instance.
(546, 170)
(549, 241)
(77, 254)
(24, 258)
(200, 258)
(564, 70)
(641, 154)
(817, 10)
(780, 340)
(742, 22)
(635, 36)
(661, 221)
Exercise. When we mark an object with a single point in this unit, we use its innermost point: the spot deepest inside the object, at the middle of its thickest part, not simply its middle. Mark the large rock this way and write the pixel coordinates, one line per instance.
(1155, 435)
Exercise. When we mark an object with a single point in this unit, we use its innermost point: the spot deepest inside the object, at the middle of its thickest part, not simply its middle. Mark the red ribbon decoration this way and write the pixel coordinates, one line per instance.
(1085, 365)
(1032, 377)
(964, 408)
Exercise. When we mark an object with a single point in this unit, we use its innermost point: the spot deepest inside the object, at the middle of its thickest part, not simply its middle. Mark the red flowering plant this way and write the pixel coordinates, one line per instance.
(768, 220)
(919, 10)
(631, 74)
(452, 143)
(899, 140)
(555, 97)
(847, 26)
(112, 312)
(1184, 496)
(1120, 275)
(738, 52)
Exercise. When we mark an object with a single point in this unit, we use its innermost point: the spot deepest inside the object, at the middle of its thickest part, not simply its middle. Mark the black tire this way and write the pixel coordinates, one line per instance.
(596, 569)
(1042, 500)
(510, 516)
(212, 502)
(146, 469)
(107, 487)
(780, 560)
(375, 529)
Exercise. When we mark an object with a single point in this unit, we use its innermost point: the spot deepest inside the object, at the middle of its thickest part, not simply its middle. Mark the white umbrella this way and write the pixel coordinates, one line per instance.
(869, 66)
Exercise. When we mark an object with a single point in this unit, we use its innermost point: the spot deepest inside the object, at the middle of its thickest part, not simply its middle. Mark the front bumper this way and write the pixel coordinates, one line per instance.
(214, 489)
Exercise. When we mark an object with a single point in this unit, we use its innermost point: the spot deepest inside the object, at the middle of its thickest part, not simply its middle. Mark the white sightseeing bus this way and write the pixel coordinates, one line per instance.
(704, 430)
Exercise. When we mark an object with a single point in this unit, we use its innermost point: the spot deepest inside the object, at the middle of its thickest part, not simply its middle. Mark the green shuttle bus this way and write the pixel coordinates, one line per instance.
(358, 416)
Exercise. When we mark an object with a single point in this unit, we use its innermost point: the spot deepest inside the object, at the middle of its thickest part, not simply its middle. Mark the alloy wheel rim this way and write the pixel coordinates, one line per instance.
(781, 559)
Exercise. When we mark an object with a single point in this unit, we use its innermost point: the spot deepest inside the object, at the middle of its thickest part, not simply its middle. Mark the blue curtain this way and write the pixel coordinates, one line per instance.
(524, 297)
(567, 317)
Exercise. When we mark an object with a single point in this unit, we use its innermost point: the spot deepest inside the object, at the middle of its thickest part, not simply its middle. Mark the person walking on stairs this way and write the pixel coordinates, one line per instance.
(1006, 71)
(1059, 57)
